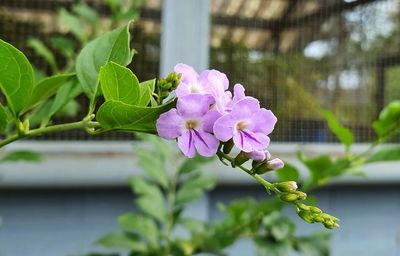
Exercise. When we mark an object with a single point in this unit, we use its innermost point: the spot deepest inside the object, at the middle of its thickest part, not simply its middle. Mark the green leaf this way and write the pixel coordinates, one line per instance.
(341, 132)
(72, 23)
(3, 118)
(389, 118)
(22, 155)
(192, 164)
(288, 173)
(122, 241)
(271, 248)
(121, 116)
(153, 163)
(86, 13)
(317, 244)
(41, 49)
(16, 77)
(111, 46)
(146, 92)
(118, 83)
(193, 225)
(150, 200)
(46, 88)
(141, 225)
(63, 44)
(387, 154)
(194, 187)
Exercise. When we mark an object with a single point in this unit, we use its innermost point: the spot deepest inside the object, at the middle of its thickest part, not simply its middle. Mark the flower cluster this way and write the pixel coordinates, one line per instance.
(208, 114)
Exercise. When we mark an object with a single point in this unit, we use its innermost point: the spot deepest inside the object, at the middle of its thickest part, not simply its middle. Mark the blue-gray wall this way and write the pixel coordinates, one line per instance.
(62, 222)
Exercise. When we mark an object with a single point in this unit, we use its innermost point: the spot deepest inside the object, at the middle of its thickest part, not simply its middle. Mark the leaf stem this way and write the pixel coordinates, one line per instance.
(83, 124)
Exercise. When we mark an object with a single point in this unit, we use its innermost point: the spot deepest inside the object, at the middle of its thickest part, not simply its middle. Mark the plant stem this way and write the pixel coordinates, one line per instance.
(267, 185)
(84, 124)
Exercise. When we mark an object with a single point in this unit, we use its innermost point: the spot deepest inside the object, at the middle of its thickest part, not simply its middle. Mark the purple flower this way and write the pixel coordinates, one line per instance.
(210, 82)
(225, 103)
(192, 123)
(247, 124)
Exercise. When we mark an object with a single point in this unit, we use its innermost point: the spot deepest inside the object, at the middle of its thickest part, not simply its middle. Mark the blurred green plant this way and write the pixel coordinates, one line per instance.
(162, 227)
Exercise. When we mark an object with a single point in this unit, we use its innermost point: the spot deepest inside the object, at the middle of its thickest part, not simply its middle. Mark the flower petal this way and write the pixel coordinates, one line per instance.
(205, 143)
(188, 73)
(186, 144)
(238, 92)
(264, 121)
(169, 124)
(209, 120)
(224, 128)
(258, 155)
(245, 108)
(249, 141)
(194, 105)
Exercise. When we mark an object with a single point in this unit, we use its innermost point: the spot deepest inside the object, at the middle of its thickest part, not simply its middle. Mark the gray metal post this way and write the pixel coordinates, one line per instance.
(184, 34)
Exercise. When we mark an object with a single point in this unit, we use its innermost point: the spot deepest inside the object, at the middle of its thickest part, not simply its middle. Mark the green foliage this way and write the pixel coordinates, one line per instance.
(288, 173)
(119, 84)
(111, 46)
(46, 88)
(120, 116)
(389, 119)
(43, 51)
(3, 118)
(16, 77)
(342, 133)
(386, 154)
(21, 155)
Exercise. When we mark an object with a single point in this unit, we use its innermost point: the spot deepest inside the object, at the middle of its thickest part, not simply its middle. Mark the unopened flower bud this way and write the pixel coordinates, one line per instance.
(288, 197)
(318, 219)
(258, 155)
(301, 195)
(241, 158)
(315, 209)
(286, 186)
(228, 146)
(261, 167)
(306, 216)
(275, 164)
(303, 207)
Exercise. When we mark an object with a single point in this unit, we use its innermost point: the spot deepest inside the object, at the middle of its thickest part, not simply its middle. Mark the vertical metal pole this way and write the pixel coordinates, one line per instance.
(184, 34)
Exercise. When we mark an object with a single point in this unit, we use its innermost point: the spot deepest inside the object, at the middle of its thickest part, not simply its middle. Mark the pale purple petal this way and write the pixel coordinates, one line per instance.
(241, 142)
(194, 105)
(258, 155)
(205, 143)
(188, 73)
(238, 92)
(209, 120)
(224, 128)
(169, 124)
(245, 108)
(248, 141)
(223, 102)
(258, 140)
(218, 80)
(186, 144)
(182, 90)
(264, 121)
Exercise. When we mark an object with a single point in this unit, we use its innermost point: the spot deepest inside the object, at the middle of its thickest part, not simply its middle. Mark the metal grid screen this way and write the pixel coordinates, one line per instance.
(298, 56)
(295, 56)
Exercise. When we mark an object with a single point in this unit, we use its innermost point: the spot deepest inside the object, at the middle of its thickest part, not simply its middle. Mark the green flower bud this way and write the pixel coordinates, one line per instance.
(288, 197)
(241, 158)
(315, 209)
(228, 146)
(303, 207)
(301, 195)
(306, 216)
(286, 186)
(318, 219)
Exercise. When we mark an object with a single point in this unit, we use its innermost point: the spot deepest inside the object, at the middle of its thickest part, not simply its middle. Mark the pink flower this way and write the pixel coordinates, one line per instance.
(248, 125)
(191, 122)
